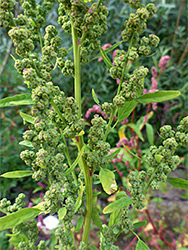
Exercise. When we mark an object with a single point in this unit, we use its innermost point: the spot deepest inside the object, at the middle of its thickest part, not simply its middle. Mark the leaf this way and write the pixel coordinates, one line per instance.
(130, 151)
(96, 218)
(17, 238)
(118, 204)
(92, 247)
(14, 219)
(126, 110)
(62, 212)
(107, 179)
(178, 182)
(107, 50)
(141, 245)
(136, 130)
(22, 99)
(150, 133)
(68, 171)
(17, 174)
(79, 223)
(79, 200)
(112, 155)
(140, 224)
(105, 58)
(95, 97)
(114, 217)
(158, 96)
(27, 118)
(26, 143)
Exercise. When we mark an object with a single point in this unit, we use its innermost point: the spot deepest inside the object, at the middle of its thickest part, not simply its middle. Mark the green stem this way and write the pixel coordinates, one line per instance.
(77, 82)
(124, 72)
(80, 144)
(57, 111)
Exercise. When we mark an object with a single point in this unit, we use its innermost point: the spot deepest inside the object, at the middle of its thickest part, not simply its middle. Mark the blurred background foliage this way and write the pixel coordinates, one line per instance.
(169, 23)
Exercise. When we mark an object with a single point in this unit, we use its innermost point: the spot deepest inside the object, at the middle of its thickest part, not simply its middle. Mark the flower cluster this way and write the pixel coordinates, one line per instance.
(19, 203)
(97, 148)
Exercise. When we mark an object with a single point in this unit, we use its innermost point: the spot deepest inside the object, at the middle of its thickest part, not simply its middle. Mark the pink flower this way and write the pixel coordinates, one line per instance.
(154, 71)
(106, 46)
(95, 108)
(163, 62)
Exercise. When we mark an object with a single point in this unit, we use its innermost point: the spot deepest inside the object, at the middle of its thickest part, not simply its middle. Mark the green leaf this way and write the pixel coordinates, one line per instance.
(22, 99)
(79, 200)
(107, 179)
(126, 110)
(136, 130)
(96, 218)
(14, 219)
(79, 223)
(106, 58)
(150, 133)
(17, 174)
(68, 171)
(95, 97)
(15, 239)
(140, 224)
(158, 96)
(26, 143)
(131, 151)
(92, 247)
(141, 245)
(62, 212)
(27, 118)
(107, 50)
(114, 217)
(178, 182)
(120, 203)
(112, 155)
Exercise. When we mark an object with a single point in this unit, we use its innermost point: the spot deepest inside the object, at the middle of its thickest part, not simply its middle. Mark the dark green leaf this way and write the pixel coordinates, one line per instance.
(107, 179)
(126, 110)
(140, 224)
(14, 219)
(79, 223)
(112, 155)
(120, 203)
(95, 97)
(136, 130)
(22, 99)
(17, 174)
(96, 218)
(92, 247)
(178, 182)
(106, 58)
(27, 118)
(141, 245)
(158, 96)
(150, 133)
(62, 212)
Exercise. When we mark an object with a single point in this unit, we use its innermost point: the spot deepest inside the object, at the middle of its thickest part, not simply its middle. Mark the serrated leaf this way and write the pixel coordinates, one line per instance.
(158, 96)
(112, 155)
(140, 224)
(79, 223)
(107, 50)
(120, 203)
(106, 58)
(150, 133)
(17, 174)
(126, 110)
(22, 99)
(79, 200)
(68, 171)
(95, 97)
(26, 143)
(178, 182)
(107, 179)
(14, 219)
(141, 245)
(62, 212)
(27, 118)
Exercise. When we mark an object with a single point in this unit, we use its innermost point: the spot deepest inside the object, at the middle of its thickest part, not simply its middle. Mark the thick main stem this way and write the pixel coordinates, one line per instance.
(80, 144)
